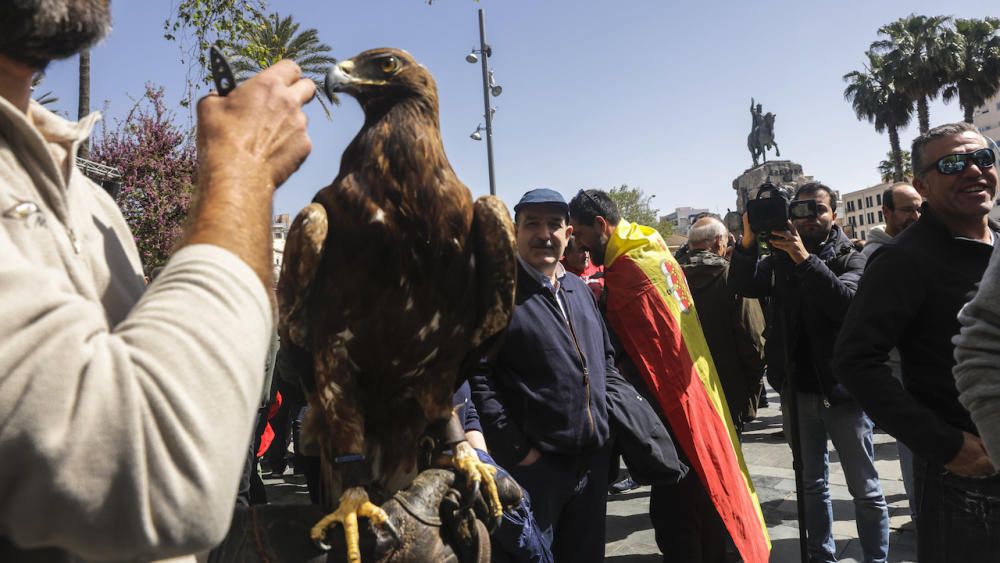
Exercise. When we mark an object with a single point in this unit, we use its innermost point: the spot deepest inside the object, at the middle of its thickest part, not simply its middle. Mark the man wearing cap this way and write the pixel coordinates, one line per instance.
(541, 401)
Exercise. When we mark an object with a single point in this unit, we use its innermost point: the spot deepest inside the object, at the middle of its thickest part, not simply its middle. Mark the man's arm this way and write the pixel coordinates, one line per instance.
(126, 442)
(881, 310)
(249, 142)
(977, 351)
(749, 276)
(506, 440)
(832, 293)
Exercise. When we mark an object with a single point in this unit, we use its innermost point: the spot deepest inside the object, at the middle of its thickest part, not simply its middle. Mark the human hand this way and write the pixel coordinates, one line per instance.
(532, 457)
(255, 137)
(749, 238)
(789, 242)
(971, 460)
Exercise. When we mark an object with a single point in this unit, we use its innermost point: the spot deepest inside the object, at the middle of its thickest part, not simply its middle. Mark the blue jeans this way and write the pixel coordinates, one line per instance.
(569, 499)
(959, 516)
(850, 430)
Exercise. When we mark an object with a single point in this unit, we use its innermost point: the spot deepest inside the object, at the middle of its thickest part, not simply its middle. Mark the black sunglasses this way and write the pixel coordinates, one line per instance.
(956, 163)
(591, 199)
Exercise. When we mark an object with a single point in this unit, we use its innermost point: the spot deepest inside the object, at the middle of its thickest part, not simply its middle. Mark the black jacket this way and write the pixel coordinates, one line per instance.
(538, 391)
(807, 300)
(733, 327)
(909, 299)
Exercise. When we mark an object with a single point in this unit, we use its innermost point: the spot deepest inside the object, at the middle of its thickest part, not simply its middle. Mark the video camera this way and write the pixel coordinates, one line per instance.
(772, 213)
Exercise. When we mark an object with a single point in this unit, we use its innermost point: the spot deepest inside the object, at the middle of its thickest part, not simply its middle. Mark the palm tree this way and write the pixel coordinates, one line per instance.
(887, 168)
(976, 75)
(876, 99)
(917, 49)
(274, 38)
(45, 98)
(84, 106)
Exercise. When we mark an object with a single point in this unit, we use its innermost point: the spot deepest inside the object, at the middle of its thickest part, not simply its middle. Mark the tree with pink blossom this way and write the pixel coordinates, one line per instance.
(158, 163)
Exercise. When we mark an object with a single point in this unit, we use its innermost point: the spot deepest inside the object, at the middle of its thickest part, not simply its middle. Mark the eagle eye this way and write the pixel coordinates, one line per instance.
(390, 65)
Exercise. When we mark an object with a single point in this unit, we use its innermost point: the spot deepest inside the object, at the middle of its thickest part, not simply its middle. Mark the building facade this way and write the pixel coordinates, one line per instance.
(683, 217)
(860, 211)
(987, 117)
(279, 233)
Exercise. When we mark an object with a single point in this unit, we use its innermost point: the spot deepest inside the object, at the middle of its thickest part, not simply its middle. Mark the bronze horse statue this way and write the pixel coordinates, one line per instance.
(761, 137)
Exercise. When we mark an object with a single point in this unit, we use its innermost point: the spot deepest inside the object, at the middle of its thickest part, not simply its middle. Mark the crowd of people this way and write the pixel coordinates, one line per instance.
(119, 445)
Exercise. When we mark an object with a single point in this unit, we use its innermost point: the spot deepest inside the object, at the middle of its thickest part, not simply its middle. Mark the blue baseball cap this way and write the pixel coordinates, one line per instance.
(542, 196)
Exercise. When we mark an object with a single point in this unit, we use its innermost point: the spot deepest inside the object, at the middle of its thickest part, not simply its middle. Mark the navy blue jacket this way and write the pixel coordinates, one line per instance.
(542, 390)
(808, 300)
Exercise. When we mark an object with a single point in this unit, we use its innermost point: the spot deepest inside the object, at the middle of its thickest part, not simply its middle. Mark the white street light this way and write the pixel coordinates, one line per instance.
(495, 88)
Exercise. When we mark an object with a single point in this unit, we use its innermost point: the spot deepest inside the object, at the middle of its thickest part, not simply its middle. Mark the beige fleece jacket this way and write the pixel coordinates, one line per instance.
(124, 411)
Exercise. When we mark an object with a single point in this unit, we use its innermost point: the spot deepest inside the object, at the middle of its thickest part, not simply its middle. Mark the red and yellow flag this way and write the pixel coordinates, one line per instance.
(649, 306)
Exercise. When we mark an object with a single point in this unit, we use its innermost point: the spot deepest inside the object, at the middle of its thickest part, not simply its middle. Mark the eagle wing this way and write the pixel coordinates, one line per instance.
(302, 256)
(494, 250)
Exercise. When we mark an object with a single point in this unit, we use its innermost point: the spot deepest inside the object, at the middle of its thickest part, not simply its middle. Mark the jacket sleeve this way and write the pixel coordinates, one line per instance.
(504, 438)
(977, 351)
(749, 276)
(832, 293)
(874, 324)
(126, 442)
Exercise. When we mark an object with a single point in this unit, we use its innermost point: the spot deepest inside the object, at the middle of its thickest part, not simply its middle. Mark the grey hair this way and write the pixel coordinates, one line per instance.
(35, 32)
(705, 232)
(947, 130)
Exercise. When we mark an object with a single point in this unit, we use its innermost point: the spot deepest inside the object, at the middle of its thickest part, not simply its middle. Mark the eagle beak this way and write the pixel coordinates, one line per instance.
(339, 78)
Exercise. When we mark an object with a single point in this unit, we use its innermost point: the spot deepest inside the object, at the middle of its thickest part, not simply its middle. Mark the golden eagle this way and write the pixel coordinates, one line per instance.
(395, 284)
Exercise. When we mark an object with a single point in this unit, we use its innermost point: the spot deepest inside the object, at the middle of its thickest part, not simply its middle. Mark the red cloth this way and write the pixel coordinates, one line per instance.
(267, 436)
(594, 282)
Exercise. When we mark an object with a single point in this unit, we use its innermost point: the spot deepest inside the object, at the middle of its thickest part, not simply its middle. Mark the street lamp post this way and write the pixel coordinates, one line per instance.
(485, 52)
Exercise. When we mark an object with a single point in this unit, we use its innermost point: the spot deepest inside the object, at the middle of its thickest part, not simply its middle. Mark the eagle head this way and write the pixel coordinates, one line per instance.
(380, 74)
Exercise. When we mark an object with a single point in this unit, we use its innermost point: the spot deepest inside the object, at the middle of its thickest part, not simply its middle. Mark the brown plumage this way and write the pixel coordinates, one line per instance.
(394, 281)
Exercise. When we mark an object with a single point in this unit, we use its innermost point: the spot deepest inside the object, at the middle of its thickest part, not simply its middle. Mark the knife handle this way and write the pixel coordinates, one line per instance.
(222, 73)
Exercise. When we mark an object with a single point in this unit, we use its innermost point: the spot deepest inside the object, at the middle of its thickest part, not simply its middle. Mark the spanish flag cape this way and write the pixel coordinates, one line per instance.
(649, 306)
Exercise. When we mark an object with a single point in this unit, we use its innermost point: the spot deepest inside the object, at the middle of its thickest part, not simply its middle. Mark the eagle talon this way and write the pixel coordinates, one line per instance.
(353, 503)
(478, 474)
(322, 545)
(391, 528)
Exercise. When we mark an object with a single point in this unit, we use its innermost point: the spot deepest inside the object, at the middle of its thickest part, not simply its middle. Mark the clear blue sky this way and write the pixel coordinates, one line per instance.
(651, 93)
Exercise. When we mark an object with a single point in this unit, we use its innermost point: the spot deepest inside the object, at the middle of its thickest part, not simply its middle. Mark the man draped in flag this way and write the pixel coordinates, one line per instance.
(649, 308)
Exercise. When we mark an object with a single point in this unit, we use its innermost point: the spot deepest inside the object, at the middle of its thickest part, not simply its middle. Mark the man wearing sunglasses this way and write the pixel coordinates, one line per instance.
(909, 298)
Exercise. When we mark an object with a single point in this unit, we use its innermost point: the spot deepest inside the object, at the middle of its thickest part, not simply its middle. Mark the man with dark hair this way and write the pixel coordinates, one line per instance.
(900, 208)
(650, 310)
(124, 423)
(542, 401)
(811, 276)
(576, 259)
(909, 299)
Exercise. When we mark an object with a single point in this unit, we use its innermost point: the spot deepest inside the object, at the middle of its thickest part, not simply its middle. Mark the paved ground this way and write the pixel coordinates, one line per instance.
(630, 535)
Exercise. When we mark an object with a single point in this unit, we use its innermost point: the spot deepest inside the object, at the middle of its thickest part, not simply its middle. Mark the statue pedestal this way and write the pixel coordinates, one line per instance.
(781, 173)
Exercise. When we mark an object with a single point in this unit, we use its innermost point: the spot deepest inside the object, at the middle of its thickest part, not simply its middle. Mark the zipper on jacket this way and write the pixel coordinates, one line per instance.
(73, 240)
(586, 371)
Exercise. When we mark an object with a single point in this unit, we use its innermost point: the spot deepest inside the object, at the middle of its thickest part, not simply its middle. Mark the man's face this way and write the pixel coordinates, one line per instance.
(906, 202)
(815, 231)
(966, 196)
(35, 32)
(592, 238)
(542, 234)
(576, 258)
